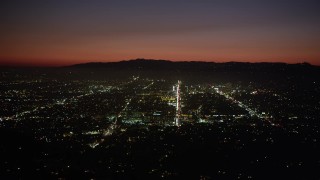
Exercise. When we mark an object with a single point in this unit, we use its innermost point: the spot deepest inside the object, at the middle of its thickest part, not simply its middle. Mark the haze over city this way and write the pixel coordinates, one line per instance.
(57, 33)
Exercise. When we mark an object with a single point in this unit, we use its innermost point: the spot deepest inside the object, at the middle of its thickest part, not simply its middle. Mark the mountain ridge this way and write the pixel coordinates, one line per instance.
(142, 60)
(166, 65)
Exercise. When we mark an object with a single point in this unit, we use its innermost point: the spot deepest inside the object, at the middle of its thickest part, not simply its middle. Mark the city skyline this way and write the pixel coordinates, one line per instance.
(37, 33)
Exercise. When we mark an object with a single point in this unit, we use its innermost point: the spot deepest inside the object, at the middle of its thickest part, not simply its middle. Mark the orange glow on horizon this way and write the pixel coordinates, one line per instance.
(49, 52)
(67, 62)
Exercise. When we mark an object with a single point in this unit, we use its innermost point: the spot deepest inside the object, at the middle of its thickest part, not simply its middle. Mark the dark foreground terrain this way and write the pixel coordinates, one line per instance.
(194, 151)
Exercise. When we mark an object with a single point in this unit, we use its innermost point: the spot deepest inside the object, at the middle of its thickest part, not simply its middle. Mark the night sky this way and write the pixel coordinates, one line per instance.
(63, 32)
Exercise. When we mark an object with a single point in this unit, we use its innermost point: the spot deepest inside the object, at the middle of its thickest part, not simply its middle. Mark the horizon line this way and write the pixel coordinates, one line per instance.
(8, 64)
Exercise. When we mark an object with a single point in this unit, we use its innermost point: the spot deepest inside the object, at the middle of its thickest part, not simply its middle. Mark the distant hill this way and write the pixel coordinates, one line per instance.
(165, 65)
(201, 71)
(145, 64)
(187, 70)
